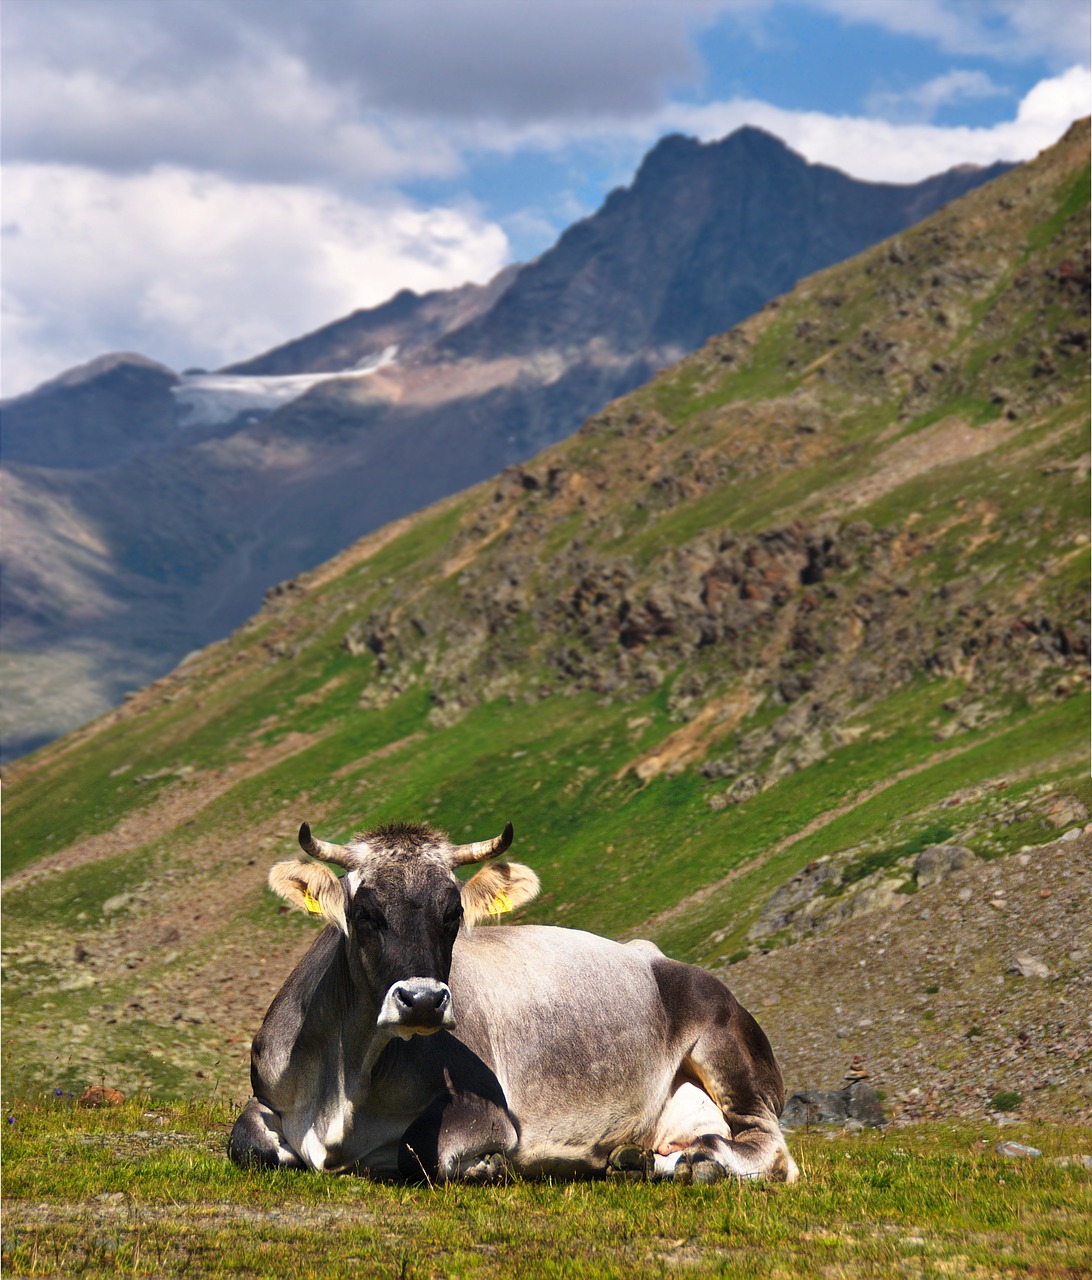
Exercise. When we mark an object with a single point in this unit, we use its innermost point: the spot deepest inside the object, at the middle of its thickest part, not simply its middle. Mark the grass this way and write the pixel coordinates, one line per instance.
(1028, 743)
(145, 1189)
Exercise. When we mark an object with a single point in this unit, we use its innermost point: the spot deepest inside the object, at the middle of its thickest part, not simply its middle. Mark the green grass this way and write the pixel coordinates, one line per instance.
(1074, 200)
(1029, 740)
(147, 1190)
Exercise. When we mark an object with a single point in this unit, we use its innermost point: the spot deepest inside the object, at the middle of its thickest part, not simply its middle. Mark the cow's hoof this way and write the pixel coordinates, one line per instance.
(485, 1170)
(706, 1172)
(697, 1169)
(630, 1162)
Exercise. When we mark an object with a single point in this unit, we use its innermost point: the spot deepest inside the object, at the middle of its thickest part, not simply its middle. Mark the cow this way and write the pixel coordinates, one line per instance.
(414, 1042)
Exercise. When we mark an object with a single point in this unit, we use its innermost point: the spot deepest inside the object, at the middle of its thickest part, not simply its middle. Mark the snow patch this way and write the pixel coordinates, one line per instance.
(208, 399)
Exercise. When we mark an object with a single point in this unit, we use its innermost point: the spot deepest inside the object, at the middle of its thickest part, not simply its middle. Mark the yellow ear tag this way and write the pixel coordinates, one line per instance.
(311, 903)
(500, 904)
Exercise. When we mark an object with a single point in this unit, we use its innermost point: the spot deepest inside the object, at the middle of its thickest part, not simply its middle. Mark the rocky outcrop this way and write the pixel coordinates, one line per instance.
(856, 1102)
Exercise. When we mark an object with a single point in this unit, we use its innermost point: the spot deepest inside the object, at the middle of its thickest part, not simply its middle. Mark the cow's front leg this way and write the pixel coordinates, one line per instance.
(461, 1137)
(258, 1139)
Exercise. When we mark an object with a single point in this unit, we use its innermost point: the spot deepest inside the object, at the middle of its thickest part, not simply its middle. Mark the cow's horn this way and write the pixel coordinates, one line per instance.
(325, 851)
(480, 850)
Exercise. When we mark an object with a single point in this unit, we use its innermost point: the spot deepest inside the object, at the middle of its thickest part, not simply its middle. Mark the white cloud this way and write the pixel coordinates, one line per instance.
(923, 101)
(361, 93)
(195, 269)
(1007, 29)
(268, 120)
(881, 151)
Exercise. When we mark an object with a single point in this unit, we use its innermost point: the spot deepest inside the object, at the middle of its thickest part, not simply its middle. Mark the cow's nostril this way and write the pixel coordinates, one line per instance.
(421, 1000)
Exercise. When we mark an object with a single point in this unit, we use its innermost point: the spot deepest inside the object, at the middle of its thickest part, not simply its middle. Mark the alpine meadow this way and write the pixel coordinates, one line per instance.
(780, 661)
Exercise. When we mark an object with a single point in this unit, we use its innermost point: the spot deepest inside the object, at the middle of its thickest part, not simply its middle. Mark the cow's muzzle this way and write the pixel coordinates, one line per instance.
(416, 1007)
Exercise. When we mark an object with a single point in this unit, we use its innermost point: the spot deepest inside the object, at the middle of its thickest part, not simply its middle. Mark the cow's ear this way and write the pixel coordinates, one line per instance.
(497, 888)
(312, 888)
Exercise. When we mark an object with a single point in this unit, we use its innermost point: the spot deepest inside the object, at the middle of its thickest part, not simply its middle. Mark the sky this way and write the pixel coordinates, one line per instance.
(200, 180)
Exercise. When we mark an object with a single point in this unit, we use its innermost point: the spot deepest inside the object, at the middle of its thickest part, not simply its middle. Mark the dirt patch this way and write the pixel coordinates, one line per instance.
(358, 553)
(946, 442)
(381, 753)
(469, 554)
(715, 721)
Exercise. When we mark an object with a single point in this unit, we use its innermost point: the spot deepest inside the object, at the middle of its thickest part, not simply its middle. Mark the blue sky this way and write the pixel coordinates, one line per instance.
(198, 180)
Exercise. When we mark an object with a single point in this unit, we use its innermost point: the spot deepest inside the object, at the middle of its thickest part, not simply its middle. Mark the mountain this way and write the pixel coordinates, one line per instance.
(782, 660)
(148, 511)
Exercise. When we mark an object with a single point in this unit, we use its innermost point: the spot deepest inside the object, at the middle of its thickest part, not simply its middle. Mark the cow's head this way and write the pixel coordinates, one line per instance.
(400, 906)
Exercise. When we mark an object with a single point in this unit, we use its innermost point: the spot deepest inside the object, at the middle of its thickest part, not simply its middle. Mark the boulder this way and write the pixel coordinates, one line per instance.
(857, 1101)
(939, 861)
(1029, 967)
(884, 896)
(786, 901)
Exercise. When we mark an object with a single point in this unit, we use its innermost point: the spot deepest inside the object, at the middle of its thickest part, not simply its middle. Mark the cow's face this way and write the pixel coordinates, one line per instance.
(400, 908)
(403, 917)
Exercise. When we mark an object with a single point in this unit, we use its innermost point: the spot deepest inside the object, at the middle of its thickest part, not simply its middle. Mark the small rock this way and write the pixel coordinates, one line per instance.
(1073, 1162)
(1029, 967)
(1017, 1151)
(966, 894)
(998, 904)
(1074, 833)
(98, 1095)
(1062, 811)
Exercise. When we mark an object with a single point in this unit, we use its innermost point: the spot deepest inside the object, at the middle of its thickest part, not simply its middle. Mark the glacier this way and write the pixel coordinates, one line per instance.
(209, 399)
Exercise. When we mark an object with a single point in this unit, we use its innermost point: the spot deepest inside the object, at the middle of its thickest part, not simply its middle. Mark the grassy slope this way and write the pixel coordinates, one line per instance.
(898, 406)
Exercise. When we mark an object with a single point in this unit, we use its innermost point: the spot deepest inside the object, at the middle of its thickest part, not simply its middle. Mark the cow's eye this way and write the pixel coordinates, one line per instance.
(370, 918)
(453, 916)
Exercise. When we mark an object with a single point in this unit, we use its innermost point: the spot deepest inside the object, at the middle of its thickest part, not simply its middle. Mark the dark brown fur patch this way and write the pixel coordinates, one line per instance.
(402, 838)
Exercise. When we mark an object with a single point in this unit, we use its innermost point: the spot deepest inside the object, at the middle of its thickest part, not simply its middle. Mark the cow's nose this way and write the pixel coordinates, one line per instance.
(416, 1006)
(425, 1002)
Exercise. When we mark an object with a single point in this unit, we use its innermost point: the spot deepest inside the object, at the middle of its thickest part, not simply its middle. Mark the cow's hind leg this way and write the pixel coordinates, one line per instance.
(750, 1153)
(726, 1123)
(461, 1137)
(256, 1140)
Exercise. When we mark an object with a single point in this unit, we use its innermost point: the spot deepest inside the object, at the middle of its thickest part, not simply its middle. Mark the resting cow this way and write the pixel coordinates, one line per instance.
(408, 1042)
